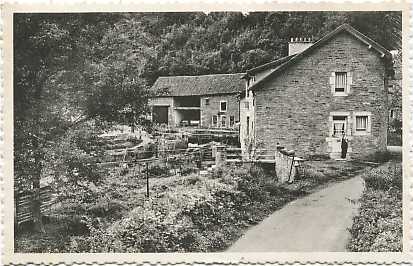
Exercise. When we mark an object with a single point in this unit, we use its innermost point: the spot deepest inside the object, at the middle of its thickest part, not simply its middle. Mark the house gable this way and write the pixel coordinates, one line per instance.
(345, 28)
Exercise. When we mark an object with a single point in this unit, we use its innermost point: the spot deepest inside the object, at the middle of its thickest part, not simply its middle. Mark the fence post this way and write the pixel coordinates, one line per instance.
(147, 180)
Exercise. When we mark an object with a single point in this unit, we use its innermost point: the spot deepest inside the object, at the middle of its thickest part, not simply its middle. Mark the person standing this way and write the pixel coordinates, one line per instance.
(344, 147)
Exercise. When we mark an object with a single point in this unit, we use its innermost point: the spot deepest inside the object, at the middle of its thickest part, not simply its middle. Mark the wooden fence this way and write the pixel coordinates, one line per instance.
(24, 203)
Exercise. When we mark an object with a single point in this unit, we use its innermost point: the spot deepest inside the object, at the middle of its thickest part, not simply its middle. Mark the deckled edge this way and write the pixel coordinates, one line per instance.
(407, 106)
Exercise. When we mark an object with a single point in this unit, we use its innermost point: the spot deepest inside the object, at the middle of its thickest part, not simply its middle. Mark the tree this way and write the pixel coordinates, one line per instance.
(50, 53)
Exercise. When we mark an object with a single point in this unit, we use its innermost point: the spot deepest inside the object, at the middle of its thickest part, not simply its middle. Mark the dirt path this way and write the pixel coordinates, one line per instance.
(317, 222)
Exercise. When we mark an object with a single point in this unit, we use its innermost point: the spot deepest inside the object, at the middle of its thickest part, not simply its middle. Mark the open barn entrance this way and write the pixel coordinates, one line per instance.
(160, 114)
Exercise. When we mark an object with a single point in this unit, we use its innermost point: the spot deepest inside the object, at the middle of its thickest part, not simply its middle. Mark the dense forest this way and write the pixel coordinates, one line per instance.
(75, 74)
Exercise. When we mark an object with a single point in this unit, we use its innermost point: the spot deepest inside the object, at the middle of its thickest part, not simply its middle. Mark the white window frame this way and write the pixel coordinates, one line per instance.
(331, 123)
(362, 132)
(349, 82)
(223, 119)
(220, 106)
(206, 101)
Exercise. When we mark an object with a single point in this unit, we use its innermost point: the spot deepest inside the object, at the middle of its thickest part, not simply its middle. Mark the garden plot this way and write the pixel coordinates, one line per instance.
(186, 213)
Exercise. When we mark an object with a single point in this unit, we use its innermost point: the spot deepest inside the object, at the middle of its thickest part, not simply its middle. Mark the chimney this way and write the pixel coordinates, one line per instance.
(297, 45)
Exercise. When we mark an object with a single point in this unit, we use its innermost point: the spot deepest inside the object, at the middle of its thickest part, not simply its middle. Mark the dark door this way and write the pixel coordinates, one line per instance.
(160, 114)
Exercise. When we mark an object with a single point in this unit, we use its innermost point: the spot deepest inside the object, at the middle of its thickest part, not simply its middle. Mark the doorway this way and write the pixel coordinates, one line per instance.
(160, 114)
(339, 130)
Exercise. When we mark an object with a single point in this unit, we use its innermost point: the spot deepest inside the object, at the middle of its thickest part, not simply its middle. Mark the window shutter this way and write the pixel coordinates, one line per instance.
(333, 81)
(368, 129)
(349, 81)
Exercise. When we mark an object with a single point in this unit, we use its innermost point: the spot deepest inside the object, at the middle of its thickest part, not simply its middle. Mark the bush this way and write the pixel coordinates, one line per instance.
(378, 226)
(315, 174)
(384, 178)
(158, 171)
(318, 157)
(379, 157)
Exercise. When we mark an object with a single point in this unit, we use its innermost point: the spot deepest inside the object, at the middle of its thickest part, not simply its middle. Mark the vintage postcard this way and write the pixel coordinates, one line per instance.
(224, 133)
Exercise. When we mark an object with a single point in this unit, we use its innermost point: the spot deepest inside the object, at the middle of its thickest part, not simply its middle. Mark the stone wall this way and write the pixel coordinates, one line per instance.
(213, 108)
(247, 111)
(294, 107)
(284, 167)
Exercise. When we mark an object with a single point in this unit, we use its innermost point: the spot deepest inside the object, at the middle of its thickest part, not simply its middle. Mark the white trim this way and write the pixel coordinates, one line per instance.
(226, 106)
(349, 82)
(331, 122)
(368, 130)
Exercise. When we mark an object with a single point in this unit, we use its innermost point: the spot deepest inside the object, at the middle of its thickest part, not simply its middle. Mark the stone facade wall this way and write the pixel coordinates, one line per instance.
(213, 108)
(247, 111)
(294, 107)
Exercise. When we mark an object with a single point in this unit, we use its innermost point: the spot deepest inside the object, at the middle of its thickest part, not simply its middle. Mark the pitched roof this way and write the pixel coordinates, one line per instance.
(271, 64)
(198, 85)
(383, 52)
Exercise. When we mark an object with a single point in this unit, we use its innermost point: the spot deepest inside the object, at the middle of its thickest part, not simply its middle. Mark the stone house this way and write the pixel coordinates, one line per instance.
(322, 91)
(206, 101)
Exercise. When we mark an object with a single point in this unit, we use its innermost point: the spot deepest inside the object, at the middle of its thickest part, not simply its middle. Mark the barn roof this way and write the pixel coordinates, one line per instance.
(382, 52)
(271, 64)
(198, 85)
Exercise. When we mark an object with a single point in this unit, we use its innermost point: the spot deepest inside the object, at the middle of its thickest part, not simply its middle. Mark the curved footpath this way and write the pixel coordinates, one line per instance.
(317, 222)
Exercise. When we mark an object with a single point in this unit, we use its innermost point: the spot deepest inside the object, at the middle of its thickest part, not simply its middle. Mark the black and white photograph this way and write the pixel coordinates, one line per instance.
(206, 132)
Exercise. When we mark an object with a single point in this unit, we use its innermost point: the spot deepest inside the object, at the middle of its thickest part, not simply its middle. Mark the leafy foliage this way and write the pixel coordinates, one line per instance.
(378, 227)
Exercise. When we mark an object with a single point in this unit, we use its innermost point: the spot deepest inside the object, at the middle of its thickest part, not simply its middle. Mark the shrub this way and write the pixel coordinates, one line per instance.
(315, 174)
(378, 226)
(384, 178)
(217, 172)
(318, 157)
(158, 171)
(379, 157)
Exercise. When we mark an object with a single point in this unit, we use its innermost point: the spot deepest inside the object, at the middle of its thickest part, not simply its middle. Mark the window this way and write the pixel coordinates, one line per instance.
(231, 121)
(214, 121)
(223, 121)
(206, 101)
(247, 104)
(223, 106)
(341, 82)
(361, 123)
(339, 125)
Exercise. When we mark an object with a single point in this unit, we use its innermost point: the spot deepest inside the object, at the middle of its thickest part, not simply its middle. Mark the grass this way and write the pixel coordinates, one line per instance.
(189, 213)
(378, 226)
